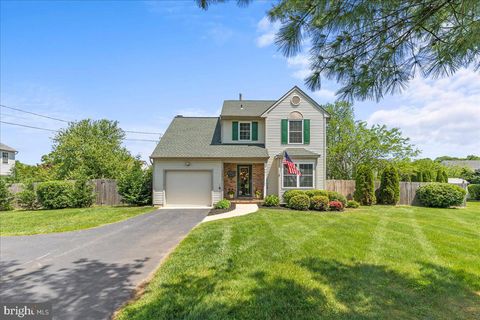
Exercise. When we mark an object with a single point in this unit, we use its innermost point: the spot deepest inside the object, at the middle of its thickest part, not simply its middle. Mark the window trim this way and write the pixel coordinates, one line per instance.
(312, 162)
(5, 159)
(250, 129)
(288, 131)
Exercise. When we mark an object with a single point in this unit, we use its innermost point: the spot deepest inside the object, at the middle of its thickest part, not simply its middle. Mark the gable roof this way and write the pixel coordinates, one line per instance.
(4, 147)
(313, 102)
(245, 108)
(200, 137)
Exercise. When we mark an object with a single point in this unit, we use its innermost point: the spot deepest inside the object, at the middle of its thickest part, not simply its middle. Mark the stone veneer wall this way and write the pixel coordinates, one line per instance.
(231, 183)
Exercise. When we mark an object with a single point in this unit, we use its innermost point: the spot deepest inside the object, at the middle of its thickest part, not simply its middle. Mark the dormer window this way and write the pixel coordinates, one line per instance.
(245, 129)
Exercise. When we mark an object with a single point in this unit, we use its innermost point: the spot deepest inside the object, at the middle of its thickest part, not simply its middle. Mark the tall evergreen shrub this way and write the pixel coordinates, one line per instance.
(389, 192)
(364, 186)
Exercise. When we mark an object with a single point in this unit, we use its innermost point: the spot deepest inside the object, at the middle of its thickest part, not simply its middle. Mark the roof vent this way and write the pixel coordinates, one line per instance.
(295, 101)
(179, 116)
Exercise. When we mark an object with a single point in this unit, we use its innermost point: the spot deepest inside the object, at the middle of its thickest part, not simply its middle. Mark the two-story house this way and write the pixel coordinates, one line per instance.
(8, 159)
(200, 160)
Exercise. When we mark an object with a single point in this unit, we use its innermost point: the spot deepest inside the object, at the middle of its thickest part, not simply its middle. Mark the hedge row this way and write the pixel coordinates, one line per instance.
(51, 195)
(320, 200)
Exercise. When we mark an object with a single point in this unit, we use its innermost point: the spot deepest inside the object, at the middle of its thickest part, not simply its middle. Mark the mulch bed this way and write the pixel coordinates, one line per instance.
(218, 211)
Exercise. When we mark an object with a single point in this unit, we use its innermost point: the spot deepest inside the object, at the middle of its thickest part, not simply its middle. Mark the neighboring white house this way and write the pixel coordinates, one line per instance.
(8, 159)
(199, 160)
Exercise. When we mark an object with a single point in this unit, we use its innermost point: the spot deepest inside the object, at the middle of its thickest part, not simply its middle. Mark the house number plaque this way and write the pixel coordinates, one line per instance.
(231, 173)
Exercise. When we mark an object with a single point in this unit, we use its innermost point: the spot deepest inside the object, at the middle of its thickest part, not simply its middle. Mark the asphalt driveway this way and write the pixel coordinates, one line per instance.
(88, 274)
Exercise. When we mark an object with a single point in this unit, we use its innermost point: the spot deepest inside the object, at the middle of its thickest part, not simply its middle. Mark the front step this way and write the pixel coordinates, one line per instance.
(249, 200)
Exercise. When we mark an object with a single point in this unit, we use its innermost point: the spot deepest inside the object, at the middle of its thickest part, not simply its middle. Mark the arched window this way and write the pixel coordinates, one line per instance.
(295, 115)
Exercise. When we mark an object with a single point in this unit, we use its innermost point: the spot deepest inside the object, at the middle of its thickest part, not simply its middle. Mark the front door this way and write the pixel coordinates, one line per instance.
(244, 181)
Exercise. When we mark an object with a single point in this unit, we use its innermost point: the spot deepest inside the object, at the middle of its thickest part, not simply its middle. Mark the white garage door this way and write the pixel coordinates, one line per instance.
(188, 188)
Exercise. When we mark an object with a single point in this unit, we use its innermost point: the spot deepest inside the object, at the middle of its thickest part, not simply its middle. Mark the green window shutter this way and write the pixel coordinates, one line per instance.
(306, 131)
(235, 130)
(284, 131)
(254, 131)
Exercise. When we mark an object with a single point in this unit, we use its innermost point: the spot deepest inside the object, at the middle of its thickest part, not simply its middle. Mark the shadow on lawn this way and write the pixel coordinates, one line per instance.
(91, 289)
(357, 291)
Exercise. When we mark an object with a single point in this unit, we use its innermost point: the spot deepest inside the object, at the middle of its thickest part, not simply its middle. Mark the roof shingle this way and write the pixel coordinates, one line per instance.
(245, 108)
(200, 137)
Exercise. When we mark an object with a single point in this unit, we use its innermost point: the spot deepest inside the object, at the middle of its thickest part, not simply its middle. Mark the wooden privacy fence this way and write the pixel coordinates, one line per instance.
(106, 191)
(408, 190)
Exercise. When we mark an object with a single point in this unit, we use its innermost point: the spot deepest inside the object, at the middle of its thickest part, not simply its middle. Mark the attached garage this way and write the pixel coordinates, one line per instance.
(188, 188)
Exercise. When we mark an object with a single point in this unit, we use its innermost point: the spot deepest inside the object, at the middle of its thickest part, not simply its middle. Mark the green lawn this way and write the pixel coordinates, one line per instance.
(369, 263)
(15, 223)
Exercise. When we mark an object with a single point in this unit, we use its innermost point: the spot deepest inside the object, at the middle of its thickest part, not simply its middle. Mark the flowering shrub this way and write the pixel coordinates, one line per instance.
(335, 205)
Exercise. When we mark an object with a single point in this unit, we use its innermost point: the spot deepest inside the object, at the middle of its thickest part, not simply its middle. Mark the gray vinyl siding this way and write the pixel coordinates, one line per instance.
(227, 131)
(274, 146)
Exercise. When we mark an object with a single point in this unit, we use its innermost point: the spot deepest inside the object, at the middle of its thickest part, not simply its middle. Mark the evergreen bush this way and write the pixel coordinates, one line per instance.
(55, 194)
(364, 186)
(440, 195)
(319, 203)
(5, 196)
(299, 202)
(290, 194)
(389, 192)
(272, 200)
(474, 191)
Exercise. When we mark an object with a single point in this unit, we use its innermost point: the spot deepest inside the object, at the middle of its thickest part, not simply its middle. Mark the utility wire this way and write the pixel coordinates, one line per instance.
(51, 130)
(66, 121)
(35, 114)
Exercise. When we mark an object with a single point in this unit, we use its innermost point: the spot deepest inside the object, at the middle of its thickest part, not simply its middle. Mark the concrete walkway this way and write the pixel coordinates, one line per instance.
(240, 210)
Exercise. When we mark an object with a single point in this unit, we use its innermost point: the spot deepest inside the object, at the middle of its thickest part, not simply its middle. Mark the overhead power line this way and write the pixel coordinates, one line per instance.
(35, 114)
(52, 130)
(66, 121)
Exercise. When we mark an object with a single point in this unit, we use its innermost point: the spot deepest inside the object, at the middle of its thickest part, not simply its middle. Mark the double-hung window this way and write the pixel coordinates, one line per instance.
(4, 157)
(245, 131)
(295, 131)
(303, 181)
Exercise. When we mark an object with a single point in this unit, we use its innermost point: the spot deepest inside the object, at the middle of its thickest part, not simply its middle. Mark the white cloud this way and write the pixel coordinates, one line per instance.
(267, 32)
(440, 116)
(300, 63)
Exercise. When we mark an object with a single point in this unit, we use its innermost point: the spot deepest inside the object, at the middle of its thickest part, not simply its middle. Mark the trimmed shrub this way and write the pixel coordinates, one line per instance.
(6, 196)
(55, 194)
(335, 206)
(319, 203)
(389, 192)
(352, 204)
(440, 195)
(83, 195)
(135, 186)
(290, 194)
(364, 186)
(222, 204)
(335, 196)
(272, 201)
(316, 192)
(300, 202)
(474, 191)
(27, 198)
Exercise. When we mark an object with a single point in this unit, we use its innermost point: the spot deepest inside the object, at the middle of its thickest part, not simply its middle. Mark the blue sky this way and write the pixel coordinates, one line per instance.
(141, 63)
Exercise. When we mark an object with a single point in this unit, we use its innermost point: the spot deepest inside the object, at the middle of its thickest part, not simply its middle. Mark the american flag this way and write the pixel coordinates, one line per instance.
(292, 169)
